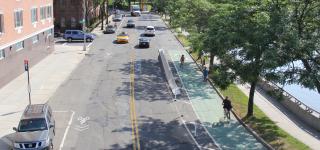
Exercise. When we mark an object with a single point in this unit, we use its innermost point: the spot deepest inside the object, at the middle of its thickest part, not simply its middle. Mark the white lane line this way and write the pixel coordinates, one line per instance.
(184, 124)
(118, 27)
(192, 104)
(66, 131)
(89, 45)
(60, 111)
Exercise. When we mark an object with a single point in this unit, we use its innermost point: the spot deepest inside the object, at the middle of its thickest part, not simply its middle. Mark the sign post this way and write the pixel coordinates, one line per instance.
(26, 68)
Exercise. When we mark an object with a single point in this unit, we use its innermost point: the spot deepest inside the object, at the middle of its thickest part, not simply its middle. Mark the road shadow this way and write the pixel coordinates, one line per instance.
(6, 141)
(157, 134)
(150, 83)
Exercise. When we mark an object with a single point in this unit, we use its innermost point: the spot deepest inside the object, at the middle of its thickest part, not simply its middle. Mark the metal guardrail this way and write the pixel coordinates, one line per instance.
(293, 99)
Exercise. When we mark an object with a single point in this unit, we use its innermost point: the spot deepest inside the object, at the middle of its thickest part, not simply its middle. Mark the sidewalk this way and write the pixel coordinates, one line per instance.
(45, 79)
(284, 119)
(208, 106)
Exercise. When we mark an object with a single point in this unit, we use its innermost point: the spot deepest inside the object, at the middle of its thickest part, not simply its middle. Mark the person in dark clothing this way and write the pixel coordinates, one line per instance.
(227, 107)
(182, 61)
(205, 74)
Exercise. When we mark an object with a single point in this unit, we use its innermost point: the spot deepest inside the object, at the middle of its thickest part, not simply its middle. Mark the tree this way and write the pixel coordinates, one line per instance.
(244, 39)
(300, 46)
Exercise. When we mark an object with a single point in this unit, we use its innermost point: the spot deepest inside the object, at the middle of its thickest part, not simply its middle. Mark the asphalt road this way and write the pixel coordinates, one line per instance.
(118, 98)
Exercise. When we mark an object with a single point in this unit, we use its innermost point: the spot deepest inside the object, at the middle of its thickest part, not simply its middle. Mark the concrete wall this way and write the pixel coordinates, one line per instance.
(303, 112)
(13, 64)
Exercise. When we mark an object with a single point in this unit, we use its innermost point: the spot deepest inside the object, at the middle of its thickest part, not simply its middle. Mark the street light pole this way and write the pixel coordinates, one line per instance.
(26, 68)
(84, 25)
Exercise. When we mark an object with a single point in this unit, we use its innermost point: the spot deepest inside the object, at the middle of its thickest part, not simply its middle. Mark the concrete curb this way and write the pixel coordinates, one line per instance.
(268, 146)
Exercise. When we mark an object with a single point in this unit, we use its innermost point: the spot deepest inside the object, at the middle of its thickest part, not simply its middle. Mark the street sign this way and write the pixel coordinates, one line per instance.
(26, 65)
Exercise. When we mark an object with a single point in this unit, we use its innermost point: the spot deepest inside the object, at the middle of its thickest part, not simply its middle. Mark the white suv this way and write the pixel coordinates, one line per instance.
(150, 31)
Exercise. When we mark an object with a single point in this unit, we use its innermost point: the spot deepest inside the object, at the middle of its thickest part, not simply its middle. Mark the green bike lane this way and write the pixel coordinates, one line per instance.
(208, 106)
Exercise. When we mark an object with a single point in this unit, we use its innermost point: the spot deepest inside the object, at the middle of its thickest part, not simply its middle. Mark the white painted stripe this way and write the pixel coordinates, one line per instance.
(66, 131)
(118, 27)
(60, 111)
(25, 37)
(89, 45)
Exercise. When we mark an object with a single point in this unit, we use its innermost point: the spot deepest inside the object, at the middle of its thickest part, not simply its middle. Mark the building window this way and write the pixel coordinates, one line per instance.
(19, 46)
(42, 13)
(1, 24)
(18, 18)
(49, 11)
(35, 39)
(2, 54)
(34, 15)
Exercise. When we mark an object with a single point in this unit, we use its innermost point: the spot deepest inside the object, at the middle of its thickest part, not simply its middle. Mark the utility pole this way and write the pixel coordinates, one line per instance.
(84, 25)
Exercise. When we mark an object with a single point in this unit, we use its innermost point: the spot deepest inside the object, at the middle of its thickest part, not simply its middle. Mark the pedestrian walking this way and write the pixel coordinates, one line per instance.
(205, 74)
(227, 107)
(181, 61)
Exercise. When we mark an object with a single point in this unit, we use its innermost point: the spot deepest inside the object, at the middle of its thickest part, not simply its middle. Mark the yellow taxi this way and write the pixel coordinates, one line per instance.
(123, 38)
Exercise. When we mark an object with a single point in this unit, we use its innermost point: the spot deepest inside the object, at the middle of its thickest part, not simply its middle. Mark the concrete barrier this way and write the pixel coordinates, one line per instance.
(308, 115)
(168, 73)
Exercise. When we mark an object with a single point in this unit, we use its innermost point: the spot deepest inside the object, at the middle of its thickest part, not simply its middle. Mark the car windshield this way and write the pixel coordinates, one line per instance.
(123, 34)
(32, 125)
(150, 28)
(130, 21)
(144, 40)
(118, 16)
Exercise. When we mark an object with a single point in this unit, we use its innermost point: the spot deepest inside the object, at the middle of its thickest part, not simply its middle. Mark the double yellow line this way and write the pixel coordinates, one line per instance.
(133, 116)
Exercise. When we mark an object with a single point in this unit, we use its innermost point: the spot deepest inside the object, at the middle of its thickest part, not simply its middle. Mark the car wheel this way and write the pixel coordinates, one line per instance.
(88, 39)
(69, 39)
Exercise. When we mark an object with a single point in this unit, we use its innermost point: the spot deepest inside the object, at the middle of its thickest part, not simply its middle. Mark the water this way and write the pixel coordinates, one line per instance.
(309, 97)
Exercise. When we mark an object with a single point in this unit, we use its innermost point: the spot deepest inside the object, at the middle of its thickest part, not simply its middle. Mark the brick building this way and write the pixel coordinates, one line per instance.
(69, 13)
(26, 32)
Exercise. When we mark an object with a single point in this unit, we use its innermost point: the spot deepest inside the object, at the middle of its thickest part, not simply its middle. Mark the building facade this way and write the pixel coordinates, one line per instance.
(68, 14)
(26, 32)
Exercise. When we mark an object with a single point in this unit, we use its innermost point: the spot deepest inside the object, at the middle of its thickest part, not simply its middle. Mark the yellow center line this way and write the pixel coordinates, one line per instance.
(134, 124)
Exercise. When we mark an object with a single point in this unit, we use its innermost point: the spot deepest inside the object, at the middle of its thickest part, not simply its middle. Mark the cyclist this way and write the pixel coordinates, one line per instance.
(227, 107)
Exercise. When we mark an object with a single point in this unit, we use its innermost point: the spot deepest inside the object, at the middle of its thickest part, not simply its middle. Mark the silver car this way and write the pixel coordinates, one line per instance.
(36, 129)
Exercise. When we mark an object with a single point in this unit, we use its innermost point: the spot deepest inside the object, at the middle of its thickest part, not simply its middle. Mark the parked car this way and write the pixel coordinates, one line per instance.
(144, 42)
(36, 129)
(117, 17)
(150, 31)
(110, 29)
(130, 24)
(71, 35)
(123, 38)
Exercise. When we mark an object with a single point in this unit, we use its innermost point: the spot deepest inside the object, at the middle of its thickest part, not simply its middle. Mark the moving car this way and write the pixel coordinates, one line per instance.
(135, 10)
(144, 42)
(117, 17)
(71, 35)
(110, 29)
(36, 129)
(150, 31)
(123, 38)
(130, 24)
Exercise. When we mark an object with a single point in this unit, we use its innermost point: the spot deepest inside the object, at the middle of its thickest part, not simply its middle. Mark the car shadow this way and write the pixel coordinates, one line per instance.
(6, 141)
(138, 47)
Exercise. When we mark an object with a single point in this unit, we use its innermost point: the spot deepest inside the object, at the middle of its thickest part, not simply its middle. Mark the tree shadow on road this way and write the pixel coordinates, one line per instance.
(157, 134)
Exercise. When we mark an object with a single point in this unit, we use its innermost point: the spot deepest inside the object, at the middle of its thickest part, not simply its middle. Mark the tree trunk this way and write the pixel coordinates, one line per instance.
(211, 61)
(107, 9)
(251, 97)
(102, 15)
